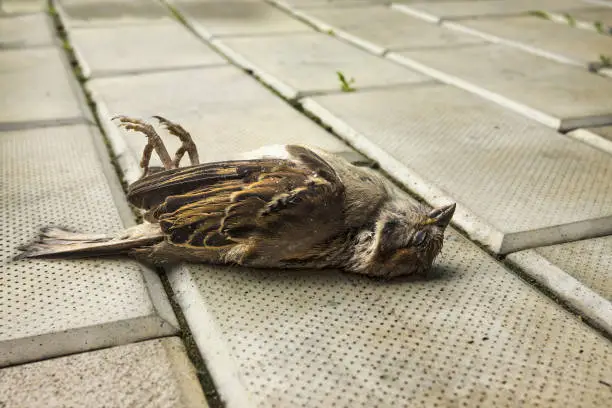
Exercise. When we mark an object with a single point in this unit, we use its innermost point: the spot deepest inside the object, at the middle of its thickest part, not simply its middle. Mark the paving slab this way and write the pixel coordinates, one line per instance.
(88, 13)
(154, 373)
(600, 137)
(227, 113)
(470, 334)
(560, 96)
(299, 4)
(23, 6)
(40, 84)
(104, 51)
(518, 184)
(303, 64)
(455, 10)
(26, 30)
(542, 37)
(379, 28)
(50, 308)
(235, 18)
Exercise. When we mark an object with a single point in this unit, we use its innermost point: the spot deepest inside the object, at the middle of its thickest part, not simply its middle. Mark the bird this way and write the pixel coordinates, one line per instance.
(281, 206)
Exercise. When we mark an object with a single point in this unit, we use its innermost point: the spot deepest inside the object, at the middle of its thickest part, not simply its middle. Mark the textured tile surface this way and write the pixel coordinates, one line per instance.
(589, 261)
(228, 112)
(545, 37)
(556, 94)
(472, 334)
(25, 76)
(388, 28)
(25, 31)
(466, 9)
(308, 63)
(154, 373)
(518, 176)
(52, 176)
(111, 12)
(23, 6)
(223, 18)
(130, 49)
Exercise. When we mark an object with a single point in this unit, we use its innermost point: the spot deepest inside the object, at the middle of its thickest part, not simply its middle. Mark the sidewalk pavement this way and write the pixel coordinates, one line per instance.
(505, 110)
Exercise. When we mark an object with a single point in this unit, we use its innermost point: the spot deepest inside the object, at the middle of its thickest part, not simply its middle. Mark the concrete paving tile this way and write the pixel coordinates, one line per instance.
(380, 28)
(455, 10)
(55, 307)
(88, 13)
(307, 63)
(154, 373)
(558, 95)
(600, 137)
(300, 4)
(227, 113)
(471, 334)
(23, 6)
(518, 184)
(104, 51)
(235, 18)
(25, 30)
(542, 37)
(40, 84)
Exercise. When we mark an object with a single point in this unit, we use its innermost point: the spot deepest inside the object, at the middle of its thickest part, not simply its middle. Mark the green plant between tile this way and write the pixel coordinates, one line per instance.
(539, 14)
(599, 27)
(570, 19)
(605, 60)
(345, 85)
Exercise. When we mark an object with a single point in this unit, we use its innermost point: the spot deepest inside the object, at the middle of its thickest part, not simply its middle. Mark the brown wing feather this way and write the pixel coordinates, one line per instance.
(282, 208)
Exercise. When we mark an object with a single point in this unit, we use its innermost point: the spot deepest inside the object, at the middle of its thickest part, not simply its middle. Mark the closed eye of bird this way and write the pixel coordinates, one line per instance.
(284, 206)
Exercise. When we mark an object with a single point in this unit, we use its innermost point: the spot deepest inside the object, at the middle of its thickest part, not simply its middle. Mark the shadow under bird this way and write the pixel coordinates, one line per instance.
(283, 206)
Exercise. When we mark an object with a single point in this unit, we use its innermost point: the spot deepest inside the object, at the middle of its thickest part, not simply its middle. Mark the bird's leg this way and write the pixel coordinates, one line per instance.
(187, 145)
(154, 142)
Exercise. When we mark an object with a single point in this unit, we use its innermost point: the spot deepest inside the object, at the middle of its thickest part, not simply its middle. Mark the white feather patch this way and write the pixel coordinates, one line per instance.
(271, 152)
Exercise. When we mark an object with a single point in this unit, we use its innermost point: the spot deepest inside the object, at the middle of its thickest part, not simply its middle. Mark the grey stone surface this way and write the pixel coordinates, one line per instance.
(558, 95)
(227, 113)
(589, 261)
(307, 63)
(39, 84)
(557, 41)
(22, 6)
(104, 51)
(154, 373)
(518, 184)
(385, 28)
(453, 10)
(88, 13)
(222, 18)
(25, 31)
(53, 176)
(470, 334)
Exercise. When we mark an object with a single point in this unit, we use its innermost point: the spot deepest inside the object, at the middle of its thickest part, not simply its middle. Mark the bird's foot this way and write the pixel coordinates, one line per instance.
(187, 144)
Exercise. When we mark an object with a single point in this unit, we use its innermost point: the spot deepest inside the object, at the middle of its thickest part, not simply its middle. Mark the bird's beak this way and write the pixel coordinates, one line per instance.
(441, 216)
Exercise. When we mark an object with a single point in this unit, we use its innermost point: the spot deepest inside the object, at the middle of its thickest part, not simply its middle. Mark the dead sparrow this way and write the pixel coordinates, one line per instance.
(285, 207)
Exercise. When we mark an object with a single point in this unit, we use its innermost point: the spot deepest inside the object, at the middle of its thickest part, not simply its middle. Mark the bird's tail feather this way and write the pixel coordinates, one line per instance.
(56, 242)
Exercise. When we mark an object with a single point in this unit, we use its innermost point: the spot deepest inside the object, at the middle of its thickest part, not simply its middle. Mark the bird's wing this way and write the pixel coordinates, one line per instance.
(280, 206)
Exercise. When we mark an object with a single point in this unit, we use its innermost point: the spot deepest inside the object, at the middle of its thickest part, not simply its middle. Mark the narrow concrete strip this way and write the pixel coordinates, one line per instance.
(558, 42)
(40, 86)
(124, 50)
(600, 138)
(445, 144)
(437, 11)
(87, 13)
(30, 30)
(597, 19)
(380, 28)
(303, 64)
(57, 307)
(155, 373)
(229, 112)
(571, 291)
(236, 18)
(560, 96)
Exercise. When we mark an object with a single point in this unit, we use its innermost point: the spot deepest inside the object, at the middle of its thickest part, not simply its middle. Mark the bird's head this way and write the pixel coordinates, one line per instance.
(406, 239)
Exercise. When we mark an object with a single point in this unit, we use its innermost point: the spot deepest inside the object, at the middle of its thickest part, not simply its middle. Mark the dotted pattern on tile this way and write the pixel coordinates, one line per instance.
(470, 335)
(589, 261)
(509, 170)
(52, 176)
